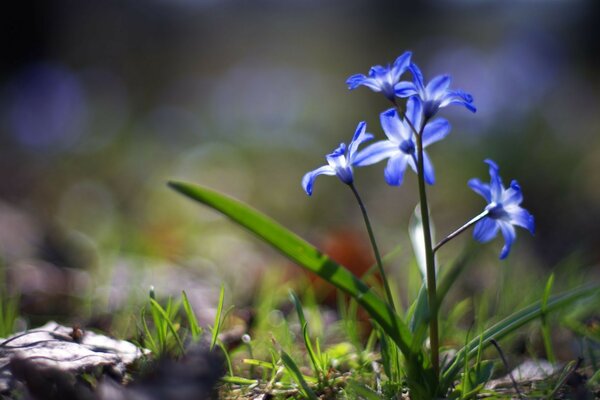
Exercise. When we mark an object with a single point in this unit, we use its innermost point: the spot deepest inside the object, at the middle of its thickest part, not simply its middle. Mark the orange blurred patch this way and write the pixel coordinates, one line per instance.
(348, 248)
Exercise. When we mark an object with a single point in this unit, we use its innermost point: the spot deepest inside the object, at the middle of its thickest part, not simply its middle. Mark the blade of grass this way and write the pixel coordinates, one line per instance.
(305, 255)
(191, 317)
(217, 325)
(297, 375)
(154, 304)
(544, 317)
(258, 363)
(362, 391)
(236, 380)
(316, 365)
(149, 340)
(514, 322)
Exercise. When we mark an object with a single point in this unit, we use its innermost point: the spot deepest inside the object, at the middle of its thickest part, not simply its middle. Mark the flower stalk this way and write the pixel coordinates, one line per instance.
(430, 262)
(363, 209)
(461, 230)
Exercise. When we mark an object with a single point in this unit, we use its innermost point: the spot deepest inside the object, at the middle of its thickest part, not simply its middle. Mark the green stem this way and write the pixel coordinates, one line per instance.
(460, 230)
(429, 255)
(429, 260)
(363, 209)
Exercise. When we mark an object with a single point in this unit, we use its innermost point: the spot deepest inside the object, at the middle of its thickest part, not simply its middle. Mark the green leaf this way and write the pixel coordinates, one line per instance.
(305, 255)
(545, 326)
(419, 310)
(514, 322)
(361, 391)
(191, 317)
(236, 380)
(297, 375)
(155, 306)
(314, 359)
(218, 319)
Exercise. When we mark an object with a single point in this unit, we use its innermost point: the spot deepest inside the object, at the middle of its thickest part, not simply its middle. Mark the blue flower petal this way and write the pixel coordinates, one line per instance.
(405, 89)
(355, 81)
(374, 153)
(394, 171)
(495, 181)
(401, 65)
(418, 77)
(485, 230)
(458, 97)
(414, 112)
(309, 178)
(508, 231)
(428, 167)
(482, 189)
(377, 71)
(437, 87)
(435, 131)
(521, 217)
(360, 136)
(513, 194)
(392, 126)
(429, 171)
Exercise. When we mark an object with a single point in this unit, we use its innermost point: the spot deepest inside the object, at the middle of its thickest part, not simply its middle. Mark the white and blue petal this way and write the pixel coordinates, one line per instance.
(394, 171)
(435, 131)
(418, 78)
(360, 136)
(405, 89)
(400, 65)
(437, 87)
(513, 194)
(359, 79)
(428, 169)
(485, 230)
(414, 113)
(508, 231)
(392, 126)
(309, 178)
(375, 152)
(496, 187)
(521, 217)
(482, 189)
(458, 97)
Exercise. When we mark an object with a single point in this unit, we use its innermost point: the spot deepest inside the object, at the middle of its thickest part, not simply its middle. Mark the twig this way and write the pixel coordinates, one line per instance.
(512, 378)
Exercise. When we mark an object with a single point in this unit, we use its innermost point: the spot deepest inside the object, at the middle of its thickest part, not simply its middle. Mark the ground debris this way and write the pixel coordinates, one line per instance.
(51, 361)
(192, 377)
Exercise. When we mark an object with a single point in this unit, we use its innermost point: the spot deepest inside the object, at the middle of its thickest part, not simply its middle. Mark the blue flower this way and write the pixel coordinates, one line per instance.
(435, 95)
(382, 79)
(503, 210)
(401, 147)
(340, 161)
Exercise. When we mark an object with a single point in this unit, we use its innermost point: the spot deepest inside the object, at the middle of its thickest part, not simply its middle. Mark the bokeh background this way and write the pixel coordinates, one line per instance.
(101, 103)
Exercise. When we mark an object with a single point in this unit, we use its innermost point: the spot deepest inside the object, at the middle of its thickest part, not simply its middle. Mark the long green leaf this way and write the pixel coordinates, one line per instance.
(514, 322)
(218, 319)
(305, 255)
(156, 306)
(297, 375)
(195, 329)
(314, 360)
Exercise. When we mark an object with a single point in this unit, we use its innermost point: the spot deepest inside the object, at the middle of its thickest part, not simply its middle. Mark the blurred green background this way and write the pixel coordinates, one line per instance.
(101, 103)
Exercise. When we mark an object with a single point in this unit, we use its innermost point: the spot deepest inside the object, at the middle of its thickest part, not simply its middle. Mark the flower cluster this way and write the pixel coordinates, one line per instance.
(408, 133)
